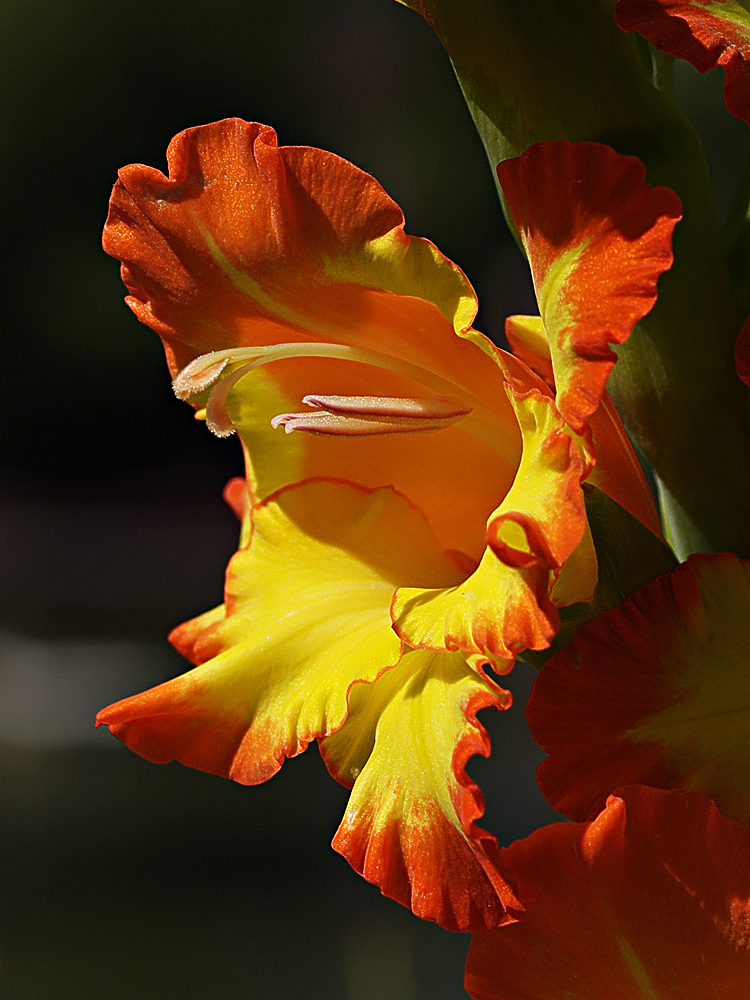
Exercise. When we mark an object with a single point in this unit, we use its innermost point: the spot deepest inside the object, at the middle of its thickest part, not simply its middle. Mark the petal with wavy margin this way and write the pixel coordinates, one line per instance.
(706, 33)
(245, 240)
(650, 900)
(247, 243)
(307, 615)
(504, 607)
(597, 239)
(656, 691)
(410, 822)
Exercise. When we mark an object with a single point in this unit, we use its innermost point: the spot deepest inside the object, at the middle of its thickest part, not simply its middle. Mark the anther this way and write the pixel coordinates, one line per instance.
(366, 416)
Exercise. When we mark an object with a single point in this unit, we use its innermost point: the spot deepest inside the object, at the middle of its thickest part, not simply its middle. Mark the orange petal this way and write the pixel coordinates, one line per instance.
(307, 615)
(410, 822)
(597, 239)
(651, 900)
(245, 240)
(707, 33)
(654, 691)
(247, 243)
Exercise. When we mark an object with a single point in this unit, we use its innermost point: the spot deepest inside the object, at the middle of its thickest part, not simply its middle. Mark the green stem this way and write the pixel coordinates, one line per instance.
(561, 69)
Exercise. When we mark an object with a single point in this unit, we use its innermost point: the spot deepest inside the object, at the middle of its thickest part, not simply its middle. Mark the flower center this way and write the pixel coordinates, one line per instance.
(344, 415)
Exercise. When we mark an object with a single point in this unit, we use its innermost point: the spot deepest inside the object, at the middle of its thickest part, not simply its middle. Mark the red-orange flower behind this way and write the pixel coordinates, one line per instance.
(650, 901)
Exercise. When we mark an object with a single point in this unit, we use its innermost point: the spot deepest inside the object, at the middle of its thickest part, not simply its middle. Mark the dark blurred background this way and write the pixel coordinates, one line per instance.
(122, 879)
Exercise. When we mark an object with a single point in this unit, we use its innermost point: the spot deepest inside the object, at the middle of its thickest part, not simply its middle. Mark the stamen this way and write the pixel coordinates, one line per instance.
(425, 414)
(438, 407)
(367, 416)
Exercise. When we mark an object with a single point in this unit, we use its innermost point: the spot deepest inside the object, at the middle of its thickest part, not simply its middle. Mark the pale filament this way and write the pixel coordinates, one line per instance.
(206, 370)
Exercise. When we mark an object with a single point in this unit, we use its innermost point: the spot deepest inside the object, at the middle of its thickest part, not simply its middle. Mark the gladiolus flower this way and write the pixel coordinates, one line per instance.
(412, 510)
(650, 900)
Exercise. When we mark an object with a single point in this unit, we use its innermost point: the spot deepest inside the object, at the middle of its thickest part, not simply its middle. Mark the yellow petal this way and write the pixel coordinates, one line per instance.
(307, 615)
(409, 825)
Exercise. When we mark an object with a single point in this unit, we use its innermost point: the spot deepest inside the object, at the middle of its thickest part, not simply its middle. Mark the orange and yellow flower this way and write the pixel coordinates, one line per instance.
(423, 519)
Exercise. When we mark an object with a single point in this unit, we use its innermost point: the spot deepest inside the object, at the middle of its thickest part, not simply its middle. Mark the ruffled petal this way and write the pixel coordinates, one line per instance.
(249, 244)
(307, 615)
(504, 607)
(656, 691)
(707, 33)
(244, 239)
(651, 900)
(597, 239)
(410, 822)
(542, 518)
(494, 615)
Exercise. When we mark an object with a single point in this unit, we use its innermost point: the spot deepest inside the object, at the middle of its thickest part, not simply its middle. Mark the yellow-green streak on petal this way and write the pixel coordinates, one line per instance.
(597, 238)
(707, 724)
(731, 11)
(636, 969)
(555, 308)
(248, 286)
(656, 690)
